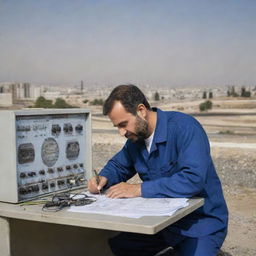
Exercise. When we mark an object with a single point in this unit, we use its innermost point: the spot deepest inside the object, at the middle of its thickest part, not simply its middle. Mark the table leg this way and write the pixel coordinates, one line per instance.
(4, 237)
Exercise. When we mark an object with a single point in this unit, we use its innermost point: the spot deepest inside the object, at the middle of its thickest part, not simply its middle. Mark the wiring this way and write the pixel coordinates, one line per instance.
(62, 200)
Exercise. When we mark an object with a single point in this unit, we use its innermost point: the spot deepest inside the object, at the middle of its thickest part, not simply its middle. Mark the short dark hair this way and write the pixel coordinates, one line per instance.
(130, 97)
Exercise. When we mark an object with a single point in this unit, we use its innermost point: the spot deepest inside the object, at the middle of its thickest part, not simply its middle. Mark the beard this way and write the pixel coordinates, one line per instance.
(141, 130)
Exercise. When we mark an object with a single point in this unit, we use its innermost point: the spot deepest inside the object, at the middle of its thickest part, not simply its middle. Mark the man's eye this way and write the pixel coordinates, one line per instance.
(122, 125)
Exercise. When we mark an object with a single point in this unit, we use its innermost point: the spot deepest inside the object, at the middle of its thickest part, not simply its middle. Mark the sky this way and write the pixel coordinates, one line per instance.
(171, 43)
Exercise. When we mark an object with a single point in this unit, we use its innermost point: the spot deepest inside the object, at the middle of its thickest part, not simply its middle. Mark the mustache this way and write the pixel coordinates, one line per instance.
(129, 134)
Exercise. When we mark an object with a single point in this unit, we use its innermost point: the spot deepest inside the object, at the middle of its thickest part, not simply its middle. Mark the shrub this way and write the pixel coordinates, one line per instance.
(97, 102)
(205, 105)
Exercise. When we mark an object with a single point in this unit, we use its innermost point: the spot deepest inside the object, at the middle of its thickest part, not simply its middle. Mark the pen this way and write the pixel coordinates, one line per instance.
(97, 179)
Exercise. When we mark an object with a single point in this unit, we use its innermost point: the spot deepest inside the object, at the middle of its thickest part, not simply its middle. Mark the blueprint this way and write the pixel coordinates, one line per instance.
(132, 207)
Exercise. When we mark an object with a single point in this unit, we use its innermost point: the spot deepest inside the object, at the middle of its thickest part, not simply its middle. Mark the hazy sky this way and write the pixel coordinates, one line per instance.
(156, 42)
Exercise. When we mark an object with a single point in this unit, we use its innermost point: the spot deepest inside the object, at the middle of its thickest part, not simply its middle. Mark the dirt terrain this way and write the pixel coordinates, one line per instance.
(233, 147)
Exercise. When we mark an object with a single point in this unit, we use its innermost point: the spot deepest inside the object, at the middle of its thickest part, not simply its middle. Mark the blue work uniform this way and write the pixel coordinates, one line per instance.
(179, 164)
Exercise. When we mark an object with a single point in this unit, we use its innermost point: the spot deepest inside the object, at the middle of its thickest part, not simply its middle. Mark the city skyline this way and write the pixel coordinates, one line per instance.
(176, 43)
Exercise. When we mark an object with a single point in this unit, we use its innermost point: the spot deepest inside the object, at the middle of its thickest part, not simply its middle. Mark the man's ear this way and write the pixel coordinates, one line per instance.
(142, 111)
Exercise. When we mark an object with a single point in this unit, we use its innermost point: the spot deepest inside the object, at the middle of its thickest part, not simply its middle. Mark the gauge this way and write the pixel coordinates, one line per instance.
(26, 153)
(50, 152)
(72, 150)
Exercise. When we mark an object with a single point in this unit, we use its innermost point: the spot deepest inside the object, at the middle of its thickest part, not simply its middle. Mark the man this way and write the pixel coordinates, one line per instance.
(171, 154)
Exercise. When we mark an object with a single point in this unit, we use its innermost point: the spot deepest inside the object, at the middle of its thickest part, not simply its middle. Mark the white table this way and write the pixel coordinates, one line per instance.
(29, 231)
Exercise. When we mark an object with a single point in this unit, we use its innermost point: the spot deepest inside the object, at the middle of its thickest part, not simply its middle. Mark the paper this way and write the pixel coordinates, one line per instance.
(132, 207)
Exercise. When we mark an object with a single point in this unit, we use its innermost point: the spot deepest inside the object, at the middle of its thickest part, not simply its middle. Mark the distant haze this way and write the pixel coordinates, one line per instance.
(157, 42)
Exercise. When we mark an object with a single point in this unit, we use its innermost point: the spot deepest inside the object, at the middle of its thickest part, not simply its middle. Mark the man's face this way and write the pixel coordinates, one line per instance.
(131, 126)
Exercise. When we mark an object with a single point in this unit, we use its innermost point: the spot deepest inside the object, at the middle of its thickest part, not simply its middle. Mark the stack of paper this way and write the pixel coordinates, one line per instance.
(133, 207)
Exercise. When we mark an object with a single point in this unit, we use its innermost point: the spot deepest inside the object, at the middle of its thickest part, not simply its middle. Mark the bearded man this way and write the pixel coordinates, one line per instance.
(170, 152)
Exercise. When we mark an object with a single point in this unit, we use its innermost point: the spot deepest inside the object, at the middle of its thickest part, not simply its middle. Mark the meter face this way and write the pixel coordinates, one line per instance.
(72, 150)
(50, 152)
(26, 153)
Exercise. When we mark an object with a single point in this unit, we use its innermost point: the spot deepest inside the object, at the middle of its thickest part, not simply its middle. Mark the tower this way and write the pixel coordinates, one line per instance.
(82, 86)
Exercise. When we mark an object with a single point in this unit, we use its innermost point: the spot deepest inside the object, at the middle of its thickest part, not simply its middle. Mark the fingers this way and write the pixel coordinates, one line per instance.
(124, 190)
(115, 191)
(95, 188)
(102, 183)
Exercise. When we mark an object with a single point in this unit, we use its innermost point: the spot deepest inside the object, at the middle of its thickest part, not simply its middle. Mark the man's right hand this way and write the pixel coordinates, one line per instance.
(95, 188)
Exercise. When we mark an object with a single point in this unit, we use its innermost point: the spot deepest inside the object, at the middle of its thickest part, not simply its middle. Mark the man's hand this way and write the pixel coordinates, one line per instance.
(124, 189)
(95, 188)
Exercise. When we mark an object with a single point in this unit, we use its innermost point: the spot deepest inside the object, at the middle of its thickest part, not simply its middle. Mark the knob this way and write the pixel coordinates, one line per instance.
(60, 169)
(66, 128)
(42, 172)
(56, 129)
(35, 188)
(22, 191)
(29, 189)
(44, 186)
(52, 185)
(22, 175)
(50, 170)
(60, 182)
(79, 128)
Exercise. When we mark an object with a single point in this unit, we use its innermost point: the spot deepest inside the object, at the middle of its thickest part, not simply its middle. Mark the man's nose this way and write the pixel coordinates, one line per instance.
(122, 131)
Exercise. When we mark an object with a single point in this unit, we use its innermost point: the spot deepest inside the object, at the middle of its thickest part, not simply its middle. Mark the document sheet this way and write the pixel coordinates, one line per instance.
(132, 207)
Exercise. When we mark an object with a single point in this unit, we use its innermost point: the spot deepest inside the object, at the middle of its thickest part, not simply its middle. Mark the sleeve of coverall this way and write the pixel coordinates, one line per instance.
(192, 166)
(119, 168)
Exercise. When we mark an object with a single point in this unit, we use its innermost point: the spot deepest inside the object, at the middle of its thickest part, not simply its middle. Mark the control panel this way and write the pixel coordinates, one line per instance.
(43, 151)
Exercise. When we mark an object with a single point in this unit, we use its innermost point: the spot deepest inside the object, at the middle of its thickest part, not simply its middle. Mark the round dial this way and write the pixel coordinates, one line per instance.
(50, 152)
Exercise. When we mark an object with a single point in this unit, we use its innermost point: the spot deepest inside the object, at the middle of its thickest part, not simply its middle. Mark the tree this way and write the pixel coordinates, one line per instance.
(156, 96)
(204, 95)
(245, 93)
(210, 95)
(61, 103)
(42, 102)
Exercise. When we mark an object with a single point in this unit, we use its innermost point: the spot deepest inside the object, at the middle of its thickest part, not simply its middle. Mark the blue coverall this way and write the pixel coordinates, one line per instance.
(179, 165)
